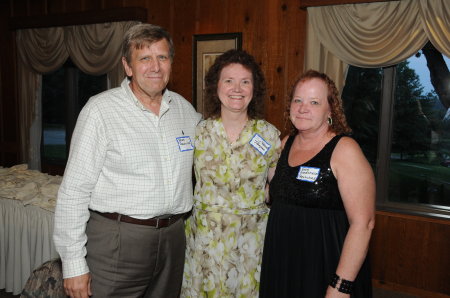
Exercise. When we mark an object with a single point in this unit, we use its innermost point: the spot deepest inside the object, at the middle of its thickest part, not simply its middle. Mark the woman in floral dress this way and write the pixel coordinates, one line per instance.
(235, 155)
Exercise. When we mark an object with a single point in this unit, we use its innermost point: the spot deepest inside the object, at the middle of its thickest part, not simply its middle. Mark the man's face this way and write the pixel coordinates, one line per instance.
(150, 69)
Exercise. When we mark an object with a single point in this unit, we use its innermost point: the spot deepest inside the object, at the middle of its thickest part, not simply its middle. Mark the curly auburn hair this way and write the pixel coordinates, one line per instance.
(255, 108)
(339, 123)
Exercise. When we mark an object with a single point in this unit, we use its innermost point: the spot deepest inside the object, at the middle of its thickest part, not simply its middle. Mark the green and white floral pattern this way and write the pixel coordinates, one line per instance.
(225, 233)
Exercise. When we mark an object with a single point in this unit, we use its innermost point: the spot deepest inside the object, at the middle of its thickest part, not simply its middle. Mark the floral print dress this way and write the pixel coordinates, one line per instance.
(225, 233)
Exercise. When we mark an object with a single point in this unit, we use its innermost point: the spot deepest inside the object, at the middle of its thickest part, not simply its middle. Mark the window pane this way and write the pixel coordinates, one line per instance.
(64, 93)
(89, 85)
(53, 116)
(420, 152)
(361, 98)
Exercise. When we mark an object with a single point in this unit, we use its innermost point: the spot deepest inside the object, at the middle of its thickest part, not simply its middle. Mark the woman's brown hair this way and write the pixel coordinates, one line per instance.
(213, 104)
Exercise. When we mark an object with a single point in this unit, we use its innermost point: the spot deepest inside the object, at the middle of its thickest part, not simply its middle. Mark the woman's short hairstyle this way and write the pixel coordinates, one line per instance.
(141, 35)
(213, 105)
(339, 123)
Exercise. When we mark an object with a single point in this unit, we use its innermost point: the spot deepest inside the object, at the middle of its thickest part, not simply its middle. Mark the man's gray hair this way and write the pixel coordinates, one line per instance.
(142, 35)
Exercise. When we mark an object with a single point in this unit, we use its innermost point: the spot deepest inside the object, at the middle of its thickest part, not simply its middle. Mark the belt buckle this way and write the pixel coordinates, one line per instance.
(157, 223)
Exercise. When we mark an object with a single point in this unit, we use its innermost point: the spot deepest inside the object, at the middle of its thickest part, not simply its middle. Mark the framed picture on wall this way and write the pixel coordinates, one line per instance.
(207, 47)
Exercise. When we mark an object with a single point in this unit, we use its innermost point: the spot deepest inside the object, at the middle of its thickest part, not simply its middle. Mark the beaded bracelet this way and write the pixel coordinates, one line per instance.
(345, 286)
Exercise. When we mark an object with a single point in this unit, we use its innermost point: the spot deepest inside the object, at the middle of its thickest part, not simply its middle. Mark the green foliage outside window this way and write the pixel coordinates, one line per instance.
(419, 157)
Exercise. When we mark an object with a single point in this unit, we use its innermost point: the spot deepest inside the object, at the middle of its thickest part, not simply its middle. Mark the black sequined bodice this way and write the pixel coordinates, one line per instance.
(323, 192)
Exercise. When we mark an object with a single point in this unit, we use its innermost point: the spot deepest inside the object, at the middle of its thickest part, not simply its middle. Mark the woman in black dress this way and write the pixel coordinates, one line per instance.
(323, 202)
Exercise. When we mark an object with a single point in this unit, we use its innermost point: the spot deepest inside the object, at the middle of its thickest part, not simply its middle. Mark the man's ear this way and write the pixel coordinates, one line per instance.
(126, 67)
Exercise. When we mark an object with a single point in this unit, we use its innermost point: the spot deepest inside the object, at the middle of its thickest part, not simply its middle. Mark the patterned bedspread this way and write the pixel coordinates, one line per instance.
(29, 186)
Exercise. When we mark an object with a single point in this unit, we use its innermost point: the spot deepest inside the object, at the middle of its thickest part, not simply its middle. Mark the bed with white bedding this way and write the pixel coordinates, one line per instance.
(27, 203)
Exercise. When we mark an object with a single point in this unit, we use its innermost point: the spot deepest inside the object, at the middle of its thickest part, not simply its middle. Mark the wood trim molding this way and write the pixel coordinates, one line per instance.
(310, 3)
(79, 18)
(413, 217)
(406, 289)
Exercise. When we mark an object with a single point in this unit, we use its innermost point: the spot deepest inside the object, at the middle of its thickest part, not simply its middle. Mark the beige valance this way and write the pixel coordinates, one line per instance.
(374, 34)
(383, 33)
(95, 49)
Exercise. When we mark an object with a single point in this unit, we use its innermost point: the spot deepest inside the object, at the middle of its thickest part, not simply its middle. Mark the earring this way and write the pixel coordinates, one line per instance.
(330, 120)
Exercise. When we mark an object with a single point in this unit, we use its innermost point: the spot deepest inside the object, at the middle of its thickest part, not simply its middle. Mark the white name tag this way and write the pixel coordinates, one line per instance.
(260, 144)
(308, 174)
(185, 143)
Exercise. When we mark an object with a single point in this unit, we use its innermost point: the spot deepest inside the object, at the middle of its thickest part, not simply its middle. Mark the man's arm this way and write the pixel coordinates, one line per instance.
(86, 158)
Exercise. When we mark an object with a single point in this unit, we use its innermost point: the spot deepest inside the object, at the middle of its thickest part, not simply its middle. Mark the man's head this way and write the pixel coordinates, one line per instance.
(142, 35)
(147, 59)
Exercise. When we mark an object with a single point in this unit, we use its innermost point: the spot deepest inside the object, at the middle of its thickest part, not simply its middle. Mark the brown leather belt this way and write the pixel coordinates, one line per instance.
(153, 222)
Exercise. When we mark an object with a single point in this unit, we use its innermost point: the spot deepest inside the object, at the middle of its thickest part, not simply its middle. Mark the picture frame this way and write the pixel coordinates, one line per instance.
(206, 48)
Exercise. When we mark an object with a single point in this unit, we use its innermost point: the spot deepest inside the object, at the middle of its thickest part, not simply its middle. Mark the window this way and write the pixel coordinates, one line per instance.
(64, 93)
(401, 119)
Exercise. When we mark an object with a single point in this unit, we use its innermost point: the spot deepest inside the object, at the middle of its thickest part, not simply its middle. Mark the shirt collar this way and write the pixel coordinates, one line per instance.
(165, 102)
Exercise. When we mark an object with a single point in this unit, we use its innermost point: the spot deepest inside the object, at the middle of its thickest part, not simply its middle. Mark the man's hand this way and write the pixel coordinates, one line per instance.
(78, 286)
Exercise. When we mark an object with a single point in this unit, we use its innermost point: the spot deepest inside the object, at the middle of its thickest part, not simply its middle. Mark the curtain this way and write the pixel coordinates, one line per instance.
(95, 49)
(374, 34)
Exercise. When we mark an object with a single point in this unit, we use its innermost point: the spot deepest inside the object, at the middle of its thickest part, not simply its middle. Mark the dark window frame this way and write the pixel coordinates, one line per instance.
(383, 159)
(73, 103)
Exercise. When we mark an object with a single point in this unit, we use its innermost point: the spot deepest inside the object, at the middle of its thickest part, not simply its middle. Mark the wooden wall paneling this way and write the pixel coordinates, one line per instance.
(111, 3)
(378, 249)
(416, 236)
(296, 41)
(73, 6)
(9, 117)
(79, 18)
(402, 238)
(19, 7)
(252, 21)
(436, 261)
(134, 3)
(37, 7)
(213, 16)
(4, 9)
(276, 34)
(408, 253)
(296, 44)
(246, 17)
(395, 237)
(158, 13)
(411, 254)
(182, 32)
(92, 5)
(240, 16)
(56, 6)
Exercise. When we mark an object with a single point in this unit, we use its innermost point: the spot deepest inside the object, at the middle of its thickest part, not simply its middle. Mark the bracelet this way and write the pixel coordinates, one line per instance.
(345, 286)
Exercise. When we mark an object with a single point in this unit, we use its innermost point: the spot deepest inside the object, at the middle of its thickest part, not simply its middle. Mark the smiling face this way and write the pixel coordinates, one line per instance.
(235, 88)
(309, 108)
(149, 69)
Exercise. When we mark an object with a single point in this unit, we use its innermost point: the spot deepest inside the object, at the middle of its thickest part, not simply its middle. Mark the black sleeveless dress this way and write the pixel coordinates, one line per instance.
(306, 230)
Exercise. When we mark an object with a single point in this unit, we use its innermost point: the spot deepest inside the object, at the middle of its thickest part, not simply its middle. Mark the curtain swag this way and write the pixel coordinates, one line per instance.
(383, 33)
(95, 49)
(374, 34)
